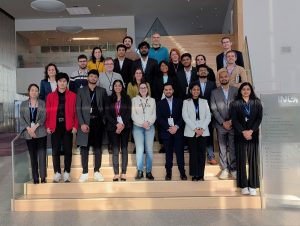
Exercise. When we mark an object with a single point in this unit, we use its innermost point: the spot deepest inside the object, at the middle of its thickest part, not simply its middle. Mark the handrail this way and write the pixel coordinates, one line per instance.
(247, 61)
(13, 167)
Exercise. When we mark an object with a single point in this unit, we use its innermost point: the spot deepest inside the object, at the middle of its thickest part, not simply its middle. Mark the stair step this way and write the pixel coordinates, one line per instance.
(130, 186)
(158, 159)
(143, 201)
(157, 171)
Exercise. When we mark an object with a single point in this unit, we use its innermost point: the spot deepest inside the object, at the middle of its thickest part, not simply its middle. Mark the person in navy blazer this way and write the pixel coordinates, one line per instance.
(171, 127)
(206, 88)
(123, 65)
(48, 84)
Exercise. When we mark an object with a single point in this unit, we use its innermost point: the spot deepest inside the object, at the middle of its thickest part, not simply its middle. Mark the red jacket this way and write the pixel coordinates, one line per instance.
(70, 110)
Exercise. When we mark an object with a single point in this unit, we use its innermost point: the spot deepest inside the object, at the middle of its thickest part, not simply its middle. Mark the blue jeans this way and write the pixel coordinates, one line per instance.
(144, 139)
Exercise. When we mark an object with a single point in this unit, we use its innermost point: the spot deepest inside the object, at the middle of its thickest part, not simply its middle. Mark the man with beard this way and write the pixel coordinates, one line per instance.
(221, 99)
(90, 112)
(130, 52)
(78, 78)
(186, 76)
(206, 87)
(169, 118)
(123, 65)
(149, 65)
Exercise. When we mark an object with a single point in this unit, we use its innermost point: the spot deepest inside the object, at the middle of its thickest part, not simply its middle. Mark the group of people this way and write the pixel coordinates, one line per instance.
(136, 94)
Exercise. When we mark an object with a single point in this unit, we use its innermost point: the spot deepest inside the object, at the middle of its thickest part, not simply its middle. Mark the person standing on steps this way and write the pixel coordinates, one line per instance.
(90, 113)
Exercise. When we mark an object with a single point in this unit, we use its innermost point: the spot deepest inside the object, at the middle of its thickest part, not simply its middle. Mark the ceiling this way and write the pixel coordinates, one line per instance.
(179, 17)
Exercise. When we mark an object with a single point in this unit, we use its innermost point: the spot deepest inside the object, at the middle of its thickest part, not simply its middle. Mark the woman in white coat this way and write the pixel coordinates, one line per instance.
(197, 116)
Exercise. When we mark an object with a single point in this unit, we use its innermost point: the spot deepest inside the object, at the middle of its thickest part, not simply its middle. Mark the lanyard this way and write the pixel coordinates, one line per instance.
(175, 67)
(117, 108)
(110, 80)
(144, 106)
(93, 96)
(247, 108)
(32, 110)
(230, 72)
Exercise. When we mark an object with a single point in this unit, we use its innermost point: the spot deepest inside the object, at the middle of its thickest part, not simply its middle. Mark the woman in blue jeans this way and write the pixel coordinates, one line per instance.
(143, 114)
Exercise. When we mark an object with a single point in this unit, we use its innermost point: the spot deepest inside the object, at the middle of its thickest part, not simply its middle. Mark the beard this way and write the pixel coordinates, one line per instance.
(143, 54)
(224, 83)
(201, 76)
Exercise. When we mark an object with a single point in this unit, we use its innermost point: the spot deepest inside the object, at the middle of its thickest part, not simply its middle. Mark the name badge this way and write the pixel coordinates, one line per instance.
(32, 125)
(198, 124)
(81, 86)
(119, 120)
(171, 122)
(110, 87)
(91, 110)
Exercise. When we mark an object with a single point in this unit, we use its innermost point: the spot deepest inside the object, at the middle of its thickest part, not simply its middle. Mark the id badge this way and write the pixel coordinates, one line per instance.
(171, 122)
(32, 125)
(198, 125)
(91, 110)
(110, 87)
(81, 86)
(119, 120)
(246, 119)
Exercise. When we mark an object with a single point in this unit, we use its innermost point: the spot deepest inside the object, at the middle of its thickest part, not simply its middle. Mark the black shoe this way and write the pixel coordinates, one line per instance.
(149, 176)
(200, 178)
(168, 176)
(43, 181)
(36, 181)
(194, 178)
(183, 176)
(139, 175)
(162, 150)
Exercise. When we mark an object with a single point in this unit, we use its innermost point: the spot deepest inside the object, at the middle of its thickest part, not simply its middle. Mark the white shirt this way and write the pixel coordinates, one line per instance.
(53, 85)
(188, 74)
(144, 63)
(121, 63)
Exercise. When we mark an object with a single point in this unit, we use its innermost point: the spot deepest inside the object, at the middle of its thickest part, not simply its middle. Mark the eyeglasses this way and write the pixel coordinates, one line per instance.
(82, 61)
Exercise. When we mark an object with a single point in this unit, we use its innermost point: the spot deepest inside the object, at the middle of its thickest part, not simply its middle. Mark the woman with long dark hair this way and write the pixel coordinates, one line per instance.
(97, 60)
(48, 84)
(197, 116)
(32, 119)
(133, 87)
(164, 76)
(246, 115)
(118, 124)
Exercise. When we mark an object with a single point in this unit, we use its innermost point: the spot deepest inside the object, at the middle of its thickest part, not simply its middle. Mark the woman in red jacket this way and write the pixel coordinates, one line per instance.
(61, 123)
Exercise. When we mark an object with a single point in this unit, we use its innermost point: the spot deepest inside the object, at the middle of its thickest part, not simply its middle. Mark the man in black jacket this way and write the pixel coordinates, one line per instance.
(221, 58)
(123, 65)
(149, 65)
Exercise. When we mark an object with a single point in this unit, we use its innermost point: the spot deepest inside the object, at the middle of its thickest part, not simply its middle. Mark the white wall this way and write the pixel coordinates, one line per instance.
(272, 28)
(27, 76)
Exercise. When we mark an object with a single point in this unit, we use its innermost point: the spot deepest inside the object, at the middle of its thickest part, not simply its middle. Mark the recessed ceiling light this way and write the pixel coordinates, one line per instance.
(78, 11)
(50, 6)
(86, 38)
(98, 5)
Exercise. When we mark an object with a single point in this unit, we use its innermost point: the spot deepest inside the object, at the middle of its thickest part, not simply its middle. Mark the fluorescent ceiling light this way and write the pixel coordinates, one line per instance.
(87, 38)
(51, 6)
(78, 11)
(69, 29)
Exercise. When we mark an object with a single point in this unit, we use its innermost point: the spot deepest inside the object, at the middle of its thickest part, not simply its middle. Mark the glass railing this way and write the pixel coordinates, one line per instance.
(20, 167)
(247, 61)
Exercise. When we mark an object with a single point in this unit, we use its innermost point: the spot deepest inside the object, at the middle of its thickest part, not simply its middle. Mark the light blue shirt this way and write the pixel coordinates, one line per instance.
(203, 85)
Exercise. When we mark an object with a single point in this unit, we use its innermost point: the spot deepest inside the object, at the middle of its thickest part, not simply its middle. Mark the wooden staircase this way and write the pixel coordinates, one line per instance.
(133, 195)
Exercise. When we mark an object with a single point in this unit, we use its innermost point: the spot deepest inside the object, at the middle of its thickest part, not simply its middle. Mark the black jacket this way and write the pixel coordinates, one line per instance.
(182, 82)
(126, 70)
(239, 59)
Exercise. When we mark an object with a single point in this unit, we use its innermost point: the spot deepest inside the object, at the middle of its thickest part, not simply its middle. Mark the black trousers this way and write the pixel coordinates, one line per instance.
(94, 140)
(197, 147)
(171, 144)
(247, 150)
(37, 153)
(66, 137)
(120, 140)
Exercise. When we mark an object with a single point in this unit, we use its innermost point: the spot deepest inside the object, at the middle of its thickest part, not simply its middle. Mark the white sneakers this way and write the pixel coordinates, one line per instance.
(224, 174)
(248, 191)
(67, 177)
(84, 177)
(57, 177)
(98, 177)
